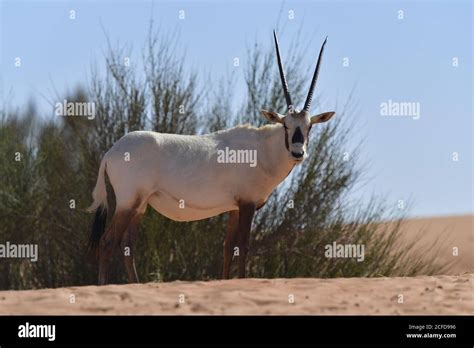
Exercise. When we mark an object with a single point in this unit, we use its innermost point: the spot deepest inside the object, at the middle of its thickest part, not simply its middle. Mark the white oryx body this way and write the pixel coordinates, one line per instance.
(184, 178)
(180, 175)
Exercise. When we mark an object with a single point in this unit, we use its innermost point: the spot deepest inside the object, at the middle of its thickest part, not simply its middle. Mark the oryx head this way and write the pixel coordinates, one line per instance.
(297, 124)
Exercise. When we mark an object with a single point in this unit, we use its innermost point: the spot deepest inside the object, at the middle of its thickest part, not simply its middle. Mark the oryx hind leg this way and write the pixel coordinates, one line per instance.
(110, 240)
(127, 244)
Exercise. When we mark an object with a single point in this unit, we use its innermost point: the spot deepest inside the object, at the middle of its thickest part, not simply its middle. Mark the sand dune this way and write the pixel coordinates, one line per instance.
(443, 294)
(448, 232)
(421, 295)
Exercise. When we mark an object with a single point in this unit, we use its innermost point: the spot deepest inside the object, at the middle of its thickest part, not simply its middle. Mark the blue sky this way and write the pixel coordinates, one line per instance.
(403, 60)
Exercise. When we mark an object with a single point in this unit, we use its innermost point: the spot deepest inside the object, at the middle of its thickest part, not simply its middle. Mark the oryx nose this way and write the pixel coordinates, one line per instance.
(298, 154)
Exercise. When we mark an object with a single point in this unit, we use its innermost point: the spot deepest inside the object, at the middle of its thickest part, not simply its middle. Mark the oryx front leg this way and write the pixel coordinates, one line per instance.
(230, 241)
(246, 213)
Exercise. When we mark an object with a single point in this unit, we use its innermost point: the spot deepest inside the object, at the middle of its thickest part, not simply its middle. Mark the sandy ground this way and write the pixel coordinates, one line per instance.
(452, 293)
(421, 295)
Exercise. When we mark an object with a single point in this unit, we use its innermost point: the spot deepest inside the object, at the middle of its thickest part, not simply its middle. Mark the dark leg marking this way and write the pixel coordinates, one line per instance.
(230, 242)
(110, 240)
(246, 213)
(128, 247)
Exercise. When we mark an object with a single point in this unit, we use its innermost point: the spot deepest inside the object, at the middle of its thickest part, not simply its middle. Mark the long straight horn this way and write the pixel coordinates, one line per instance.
(309, 98)
(282, 73)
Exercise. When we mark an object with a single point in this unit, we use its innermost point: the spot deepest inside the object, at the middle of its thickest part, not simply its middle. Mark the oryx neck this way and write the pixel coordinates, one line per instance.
(279, 164)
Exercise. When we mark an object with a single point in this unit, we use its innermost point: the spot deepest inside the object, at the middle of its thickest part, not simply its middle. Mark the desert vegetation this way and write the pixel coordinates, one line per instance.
(43, 195)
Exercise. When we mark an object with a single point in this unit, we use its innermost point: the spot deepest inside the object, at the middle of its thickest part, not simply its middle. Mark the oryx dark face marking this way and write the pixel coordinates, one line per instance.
(297, 136)
(296, 139)
(297, 126)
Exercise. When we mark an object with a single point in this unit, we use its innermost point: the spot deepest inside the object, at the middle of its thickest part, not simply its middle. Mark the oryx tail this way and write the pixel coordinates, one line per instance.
(100, 207)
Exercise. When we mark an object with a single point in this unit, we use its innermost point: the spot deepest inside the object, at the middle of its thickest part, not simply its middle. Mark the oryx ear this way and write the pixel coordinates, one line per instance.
(324, 117)
(272, 116)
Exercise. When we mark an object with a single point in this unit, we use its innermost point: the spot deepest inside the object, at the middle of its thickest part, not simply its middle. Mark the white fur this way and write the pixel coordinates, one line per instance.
(169, 170)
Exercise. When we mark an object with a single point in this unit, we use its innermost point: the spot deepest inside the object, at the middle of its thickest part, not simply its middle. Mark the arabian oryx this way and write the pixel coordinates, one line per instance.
(180, 177)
